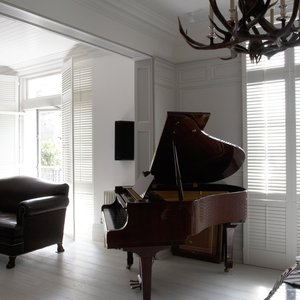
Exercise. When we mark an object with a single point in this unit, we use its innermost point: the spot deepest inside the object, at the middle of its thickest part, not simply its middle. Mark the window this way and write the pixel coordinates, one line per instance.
(44, 86)
(272, 144)
(60, 108)
(50, 145)
(42, 127)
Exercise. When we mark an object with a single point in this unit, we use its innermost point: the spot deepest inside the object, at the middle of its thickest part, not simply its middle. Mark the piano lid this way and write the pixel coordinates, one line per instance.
(201, 157)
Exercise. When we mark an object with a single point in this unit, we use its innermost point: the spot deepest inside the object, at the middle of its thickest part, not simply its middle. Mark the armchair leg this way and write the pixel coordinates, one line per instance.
(11, 262)
(60, 248)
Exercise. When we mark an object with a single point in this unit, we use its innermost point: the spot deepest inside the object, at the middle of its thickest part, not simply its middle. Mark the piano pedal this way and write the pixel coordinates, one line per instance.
(136, 284)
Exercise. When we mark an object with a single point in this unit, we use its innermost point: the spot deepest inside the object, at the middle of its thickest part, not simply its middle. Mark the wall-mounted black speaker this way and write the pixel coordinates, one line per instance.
(124, 140)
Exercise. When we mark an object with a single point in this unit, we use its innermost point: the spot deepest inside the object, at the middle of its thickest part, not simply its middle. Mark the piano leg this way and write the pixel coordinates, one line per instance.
(146, 255)
(129, 260)
(228, 245)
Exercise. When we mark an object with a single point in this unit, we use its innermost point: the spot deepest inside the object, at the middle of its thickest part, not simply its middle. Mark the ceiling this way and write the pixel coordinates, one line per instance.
(175, 8)
(22, 43)
(179, 8)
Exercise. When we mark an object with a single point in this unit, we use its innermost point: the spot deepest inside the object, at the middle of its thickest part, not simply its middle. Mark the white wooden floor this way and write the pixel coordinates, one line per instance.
(88, 271)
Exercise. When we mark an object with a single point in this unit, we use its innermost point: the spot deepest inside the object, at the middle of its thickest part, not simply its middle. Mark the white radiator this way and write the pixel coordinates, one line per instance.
(109, 197)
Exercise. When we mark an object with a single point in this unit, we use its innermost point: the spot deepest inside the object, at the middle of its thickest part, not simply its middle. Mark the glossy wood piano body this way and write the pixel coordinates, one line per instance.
(180, 202)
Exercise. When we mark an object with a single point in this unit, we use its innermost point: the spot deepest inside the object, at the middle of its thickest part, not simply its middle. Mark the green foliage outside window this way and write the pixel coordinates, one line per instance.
(50, 154)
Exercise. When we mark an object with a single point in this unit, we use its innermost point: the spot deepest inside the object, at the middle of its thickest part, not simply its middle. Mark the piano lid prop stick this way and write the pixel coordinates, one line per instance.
(177, 172)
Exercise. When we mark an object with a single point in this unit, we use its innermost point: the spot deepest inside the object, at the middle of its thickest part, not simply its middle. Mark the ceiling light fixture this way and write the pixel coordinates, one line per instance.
(255, 32)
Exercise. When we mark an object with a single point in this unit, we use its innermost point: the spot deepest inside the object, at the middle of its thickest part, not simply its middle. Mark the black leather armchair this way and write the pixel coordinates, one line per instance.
(32, 215)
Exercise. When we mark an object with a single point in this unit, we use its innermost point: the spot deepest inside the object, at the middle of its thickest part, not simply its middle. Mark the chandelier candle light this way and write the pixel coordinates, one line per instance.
(255, 33)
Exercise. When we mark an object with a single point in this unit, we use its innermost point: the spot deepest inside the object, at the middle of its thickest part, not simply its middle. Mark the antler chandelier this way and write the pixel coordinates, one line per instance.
(255, 32)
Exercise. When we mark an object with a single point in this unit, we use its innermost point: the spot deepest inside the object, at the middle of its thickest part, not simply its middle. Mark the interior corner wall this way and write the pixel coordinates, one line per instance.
(214, 86)
(113, 100)
(183, 52)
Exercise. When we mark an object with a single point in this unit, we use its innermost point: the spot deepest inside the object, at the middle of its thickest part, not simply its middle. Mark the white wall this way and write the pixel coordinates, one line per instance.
(214, 86)
(164, 94)
(198, 31)
(113, 100)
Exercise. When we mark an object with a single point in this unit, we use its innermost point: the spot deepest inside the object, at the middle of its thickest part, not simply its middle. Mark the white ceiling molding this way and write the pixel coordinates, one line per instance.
(73, 33)
(40, 65)
(56, 60)
(137, 16)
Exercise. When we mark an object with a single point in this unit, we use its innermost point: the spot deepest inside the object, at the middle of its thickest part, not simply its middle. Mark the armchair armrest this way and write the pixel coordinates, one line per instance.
(41, 205)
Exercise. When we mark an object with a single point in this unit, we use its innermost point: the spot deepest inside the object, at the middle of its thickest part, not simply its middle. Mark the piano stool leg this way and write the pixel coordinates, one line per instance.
(146, 255)
(129, 260)
(228, 246)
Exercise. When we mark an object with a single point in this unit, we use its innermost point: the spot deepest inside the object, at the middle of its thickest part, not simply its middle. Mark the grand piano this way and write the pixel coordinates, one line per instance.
(176, 198)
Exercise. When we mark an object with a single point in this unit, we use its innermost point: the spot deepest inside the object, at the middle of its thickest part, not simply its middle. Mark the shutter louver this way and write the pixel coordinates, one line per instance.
(297, 94)
(67, 140)
(77, 142)
(277, 61)
(83, 146)
(9, 93)
(266, 137)
(9, 126)
(9, 158)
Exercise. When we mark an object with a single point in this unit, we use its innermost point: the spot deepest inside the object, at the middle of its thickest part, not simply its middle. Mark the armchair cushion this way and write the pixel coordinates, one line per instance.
(40, 205)
(9, 230)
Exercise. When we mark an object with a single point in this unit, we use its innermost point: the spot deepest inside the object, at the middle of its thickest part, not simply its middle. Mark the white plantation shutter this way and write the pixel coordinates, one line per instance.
(67, 141)
(83, 148)
(9, 93)
(297, 109)
(266, 138)
(297, 95)
(265, 64)
(78, 144)
(83, 124)
(9, 126)
(269, 231)
(9, 136)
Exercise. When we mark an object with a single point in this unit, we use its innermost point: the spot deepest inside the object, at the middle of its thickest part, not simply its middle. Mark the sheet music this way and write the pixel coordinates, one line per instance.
(142, 184)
